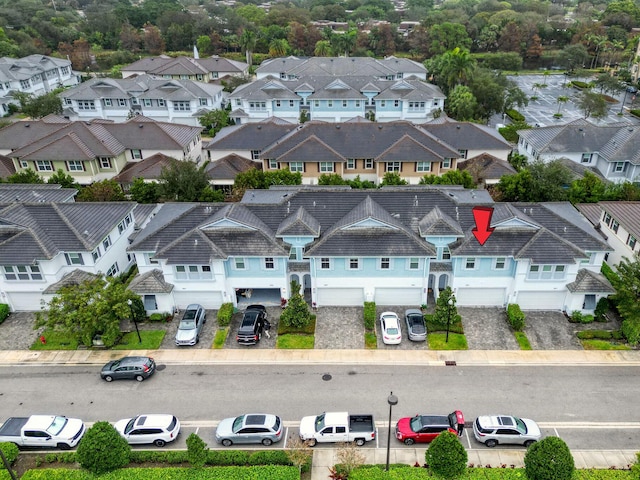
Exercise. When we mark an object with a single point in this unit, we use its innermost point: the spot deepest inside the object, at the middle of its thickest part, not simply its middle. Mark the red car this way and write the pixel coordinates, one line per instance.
(424, 428)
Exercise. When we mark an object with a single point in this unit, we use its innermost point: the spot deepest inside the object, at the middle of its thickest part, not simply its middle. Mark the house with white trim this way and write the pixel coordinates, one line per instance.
(206, 69)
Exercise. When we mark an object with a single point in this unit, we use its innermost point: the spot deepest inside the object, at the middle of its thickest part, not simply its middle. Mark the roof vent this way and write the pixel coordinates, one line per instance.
(27, 125)
(458, 127)
(379, 127)
(338, 127)
(140, 126)
(259, 127)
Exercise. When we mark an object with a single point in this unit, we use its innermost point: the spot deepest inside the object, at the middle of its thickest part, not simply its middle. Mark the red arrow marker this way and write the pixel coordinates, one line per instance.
(482, 216)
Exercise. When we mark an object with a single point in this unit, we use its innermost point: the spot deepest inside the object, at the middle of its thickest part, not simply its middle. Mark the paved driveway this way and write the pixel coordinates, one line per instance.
(487, 329)
(551, 331)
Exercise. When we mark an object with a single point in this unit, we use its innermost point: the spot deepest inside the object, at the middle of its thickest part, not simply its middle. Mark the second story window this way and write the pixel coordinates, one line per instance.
(414, 263)
(75, 166)
(392, 167)
(86, 105)
(74, 258)
(239, 263)
(105, 162)
(614, 226)
(273, 164)
(368, 163)
(325, 263)
(353, 263)
(423, 166)
(44, 165)
(546, 272)
(631, 241)
(182, 106)
(326, 167)
(500, 263)
(351, 163)
(385, 263)
(470, 263)
(193, 272)
(106, 243)
(136, 154)
(269, 263)
(22, 272)
(296, 167)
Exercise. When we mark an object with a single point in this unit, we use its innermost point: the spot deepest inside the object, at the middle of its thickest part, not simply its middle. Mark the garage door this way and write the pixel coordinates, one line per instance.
(541, 300)
(209, 300)
(398, 296)
(480, 297)
(26, 302)
(340, 296)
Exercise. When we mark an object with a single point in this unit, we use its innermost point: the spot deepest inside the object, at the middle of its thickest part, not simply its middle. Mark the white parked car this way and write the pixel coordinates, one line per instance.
(498, 429)
(158, 429)
(390, 328)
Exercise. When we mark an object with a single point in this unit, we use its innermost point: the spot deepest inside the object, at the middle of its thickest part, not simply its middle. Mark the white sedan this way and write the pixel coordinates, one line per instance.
(390, 327)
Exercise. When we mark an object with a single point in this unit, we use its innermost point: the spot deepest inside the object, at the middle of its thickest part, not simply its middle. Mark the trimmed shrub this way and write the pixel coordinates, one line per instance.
(579, 84)
(635, 112)
(578, 317)
(600, 335)
(10, 451)
(515, 316)
(549, 459)
(4, 311)
(446, 456)
(370, 315)
(196, 450)
(296, 313)
(224, 314)
(269, 457)
(102, 449)
(515, 115)
(602, 307)
(227, 457)
(157, 317)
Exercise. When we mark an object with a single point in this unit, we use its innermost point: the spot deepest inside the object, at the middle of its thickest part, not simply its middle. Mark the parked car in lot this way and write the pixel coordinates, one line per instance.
(254, 322)
(130, 368)
(416, 326)
(390, 328)
(497, 429)
(47, 431)
(261, 428)
(158, 429)
(191, 325)
(425, 428)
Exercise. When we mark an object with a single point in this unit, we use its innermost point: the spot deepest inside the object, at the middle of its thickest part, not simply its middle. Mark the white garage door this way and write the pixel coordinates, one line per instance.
(26, 302)
(541, 300)
(398, 296)
(480, 297)
(340, 296)
(209, 300)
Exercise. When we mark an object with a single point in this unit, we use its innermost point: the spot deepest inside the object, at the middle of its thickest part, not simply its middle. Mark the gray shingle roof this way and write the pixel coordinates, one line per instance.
(468, 136)
(437, 223)
(182, 65)
(340, 66)
(228, 167)
(486, 167)
(250, 136)
(626, 213)
(149, 168)
(150, 282)
(75, 277)
(300, 223)
(590, 282)
(35, 193)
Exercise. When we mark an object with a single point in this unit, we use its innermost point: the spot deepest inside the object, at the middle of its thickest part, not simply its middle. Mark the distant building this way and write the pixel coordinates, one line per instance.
(185, 68)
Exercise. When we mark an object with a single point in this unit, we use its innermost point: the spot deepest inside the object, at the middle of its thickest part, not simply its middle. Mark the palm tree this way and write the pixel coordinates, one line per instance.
(278, 47)
(457, 67)
(323, 48)
(248, 41)
(560, 100)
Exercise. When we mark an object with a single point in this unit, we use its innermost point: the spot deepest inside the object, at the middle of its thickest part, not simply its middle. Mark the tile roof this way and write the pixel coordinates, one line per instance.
(437, 223)
(149, 168)
(75, 277)
(7, 168)
(627, 213)
(590, 282)
(35, 193)
(340, 66)
(300, 223)
(150, 282)
(166, 65)
(228, 167)
(468, 136)
(486, 167)
(250, 136)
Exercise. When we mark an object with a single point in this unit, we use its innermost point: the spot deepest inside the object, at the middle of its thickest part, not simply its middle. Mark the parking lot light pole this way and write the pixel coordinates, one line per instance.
(133, 317)
(391, 400)
(449, 305)
(624, 100)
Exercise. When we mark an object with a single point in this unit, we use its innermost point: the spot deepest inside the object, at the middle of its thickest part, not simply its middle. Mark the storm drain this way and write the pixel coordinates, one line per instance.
(326, 377)
(450, 363)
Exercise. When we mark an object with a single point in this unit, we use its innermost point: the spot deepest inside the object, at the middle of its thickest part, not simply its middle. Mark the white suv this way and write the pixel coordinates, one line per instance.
(156, 429)
(494, 429)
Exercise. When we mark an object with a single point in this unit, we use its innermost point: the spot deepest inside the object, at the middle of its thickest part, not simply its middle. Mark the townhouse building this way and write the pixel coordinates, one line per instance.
(206, 69)
(34, 74)
(611, 149)
(97, 150)
(178, 101)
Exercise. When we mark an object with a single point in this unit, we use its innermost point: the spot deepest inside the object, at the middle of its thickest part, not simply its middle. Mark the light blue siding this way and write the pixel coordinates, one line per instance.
(484, 267)
(368, 267)
(254, 267)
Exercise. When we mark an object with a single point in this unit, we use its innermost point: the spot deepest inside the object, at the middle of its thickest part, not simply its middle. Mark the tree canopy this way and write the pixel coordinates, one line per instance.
(627, 297)
(184, 181)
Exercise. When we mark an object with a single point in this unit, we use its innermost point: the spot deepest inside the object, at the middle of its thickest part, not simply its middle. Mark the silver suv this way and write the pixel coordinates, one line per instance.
(156, 428)
(191, 325)
(494, 429)
(262, 428)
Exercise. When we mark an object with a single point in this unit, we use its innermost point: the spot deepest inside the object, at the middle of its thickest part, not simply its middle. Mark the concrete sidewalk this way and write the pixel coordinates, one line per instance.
(335, 357)
(323, 459)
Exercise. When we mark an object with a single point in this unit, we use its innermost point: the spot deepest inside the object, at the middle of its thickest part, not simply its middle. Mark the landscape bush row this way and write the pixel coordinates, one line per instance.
(4, 311)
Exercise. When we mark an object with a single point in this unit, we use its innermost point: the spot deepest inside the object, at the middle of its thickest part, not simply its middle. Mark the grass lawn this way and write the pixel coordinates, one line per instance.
(457, 341)
(370, 340)
(220, 338)
(597, 344)
(151, 340)
(54, 341)
(295, 341)
(523, 341)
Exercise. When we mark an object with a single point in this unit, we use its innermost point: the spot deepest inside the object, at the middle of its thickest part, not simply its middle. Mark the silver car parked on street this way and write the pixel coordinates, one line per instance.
(261, 428)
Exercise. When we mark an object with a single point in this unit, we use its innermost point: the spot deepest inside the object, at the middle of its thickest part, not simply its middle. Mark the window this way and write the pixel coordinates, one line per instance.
(238, 102)
(344, 104)
(351, 163)
(546, 272)
(325, 263)
(74, 258)
(296, 167)
(113, 270)
(500, 263)
(353, 264)
(619, 167)
(181, 106)
(291, 104)
(436, 102)
(383, 103)
(357, 103)
(326, 167)
(385, 263)
(614, 226)
(151, 259)
(239, 263)
(607, 219)
(446, 163)
(106, 243)
(470, 263)
(316, 103)
(463, 153)
(146, 102)
(75, 166)
(203, 102)
(136, 154)
(96, 254)
(293, 253)
(150, 302)
(273, 164)
(24, 164)
(193, 272)
(86, 105)
(586, 158)
(278, 103)
(22, 272)
(631, 241)
(330, 103)
(258, 106)
(368, 163)
(122, 226)
(392, 167)
(255, 154)
(44, 166)
(414, 263)
(446, 253)
(134, 101)
(162, 102)
(396, 103)
(105, 162)
(122, 102)
(269, 263)
(24, 84)
(423, 166)
(107, 102)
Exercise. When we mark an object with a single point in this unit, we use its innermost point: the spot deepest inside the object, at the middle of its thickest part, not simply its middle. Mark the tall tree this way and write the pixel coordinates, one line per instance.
(184, 181)
(592, 104)
(153, 42)
(461, 104)
(248, 41)
(102, 191)
(25, 176)
(627, 284)
(322, 49)
(278, 47)
(447, 36)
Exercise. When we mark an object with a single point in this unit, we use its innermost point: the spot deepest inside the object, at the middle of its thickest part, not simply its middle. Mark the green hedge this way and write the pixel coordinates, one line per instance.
(10, 451)
(579, 84)
(600, 335)
(263, 472)
(635, 112)
(515, 115)
(4, 311)
(498, 472)
(224, 314)
(515, 316)
(370, 315)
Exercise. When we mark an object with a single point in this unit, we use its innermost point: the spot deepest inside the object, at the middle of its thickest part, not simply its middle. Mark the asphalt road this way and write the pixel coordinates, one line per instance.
(590, 407)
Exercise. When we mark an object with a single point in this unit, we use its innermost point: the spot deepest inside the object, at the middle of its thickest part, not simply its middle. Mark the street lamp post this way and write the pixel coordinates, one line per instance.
(623, 101)
(391, 400)
(449, 305)
(133, 317)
